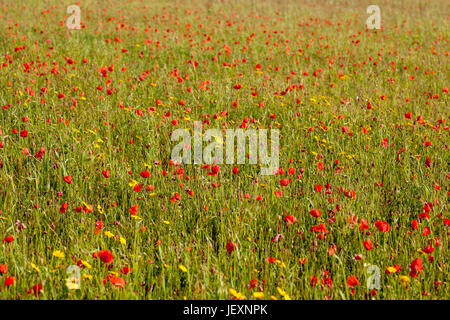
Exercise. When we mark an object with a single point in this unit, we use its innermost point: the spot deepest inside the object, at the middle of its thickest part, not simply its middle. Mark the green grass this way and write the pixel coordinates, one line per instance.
(286, 38)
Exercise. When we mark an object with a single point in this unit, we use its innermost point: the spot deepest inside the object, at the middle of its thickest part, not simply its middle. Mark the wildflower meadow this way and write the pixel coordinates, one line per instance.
(224, 150)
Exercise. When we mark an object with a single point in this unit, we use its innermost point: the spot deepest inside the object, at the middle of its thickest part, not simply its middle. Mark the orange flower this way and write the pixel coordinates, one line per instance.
(117, 281)
(290, 219)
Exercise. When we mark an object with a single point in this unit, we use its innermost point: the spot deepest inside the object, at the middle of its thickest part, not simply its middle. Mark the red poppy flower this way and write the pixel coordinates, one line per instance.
(363, 224)
(106, 256)
(320, 166)
(36, 289)
(145, 174)
(126, 270)
(416, 267)
(428, 249)
(315, 213)
(88, 209)
(350, 194)
(64, 207)
(290, 219)
(368, 245)
(253, 283)
(3, 268)
(134, 209)
(382, 226)
(175, 197)
(352, 281)
(230, 247)
(10, 281)
(40, 153)
(215, 169)
(8, 239)
(117, 281)
(68, 179)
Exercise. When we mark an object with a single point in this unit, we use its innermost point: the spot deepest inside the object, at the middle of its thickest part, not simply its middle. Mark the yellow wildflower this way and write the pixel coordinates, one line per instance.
(58, 254)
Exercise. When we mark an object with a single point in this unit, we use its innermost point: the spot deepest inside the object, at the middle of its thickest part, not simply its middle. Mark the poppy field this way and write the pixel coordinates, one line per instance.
(92, 206)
